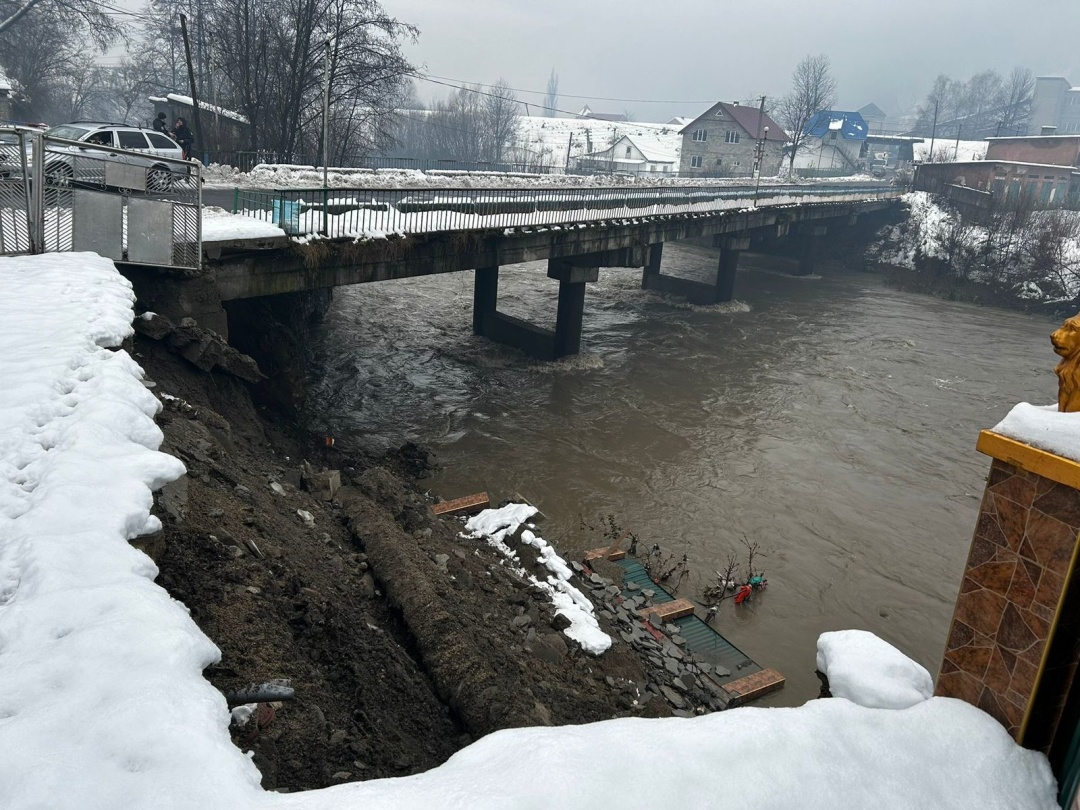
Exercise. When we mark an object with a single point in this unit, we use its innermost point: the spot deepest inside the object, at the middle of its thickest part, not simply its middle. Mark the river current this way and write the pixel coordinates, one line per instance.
(830, 419)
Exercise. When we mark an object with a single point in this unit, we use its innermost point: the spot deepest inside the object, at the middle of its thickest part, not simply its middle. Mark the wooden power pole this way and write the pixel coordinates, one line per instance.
(191, 81)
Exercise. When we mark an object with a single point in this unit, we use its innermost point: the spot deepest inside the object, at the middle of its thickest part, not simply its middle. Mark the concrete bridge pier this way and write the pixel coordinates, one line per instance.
(545, 344)
(731, 249)
(652, 266)
(810, 237)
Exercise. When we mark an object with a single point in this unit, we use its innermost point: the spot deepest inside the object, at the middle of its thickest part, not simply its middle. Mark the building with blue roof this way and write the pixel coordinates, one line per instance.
(834, 144)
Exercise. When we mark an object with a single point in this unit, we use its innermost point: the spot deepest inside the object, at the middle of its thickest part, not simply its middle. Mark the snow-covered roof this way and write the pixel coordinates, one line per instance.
(5, 83)
(176, 98)
(850, 125)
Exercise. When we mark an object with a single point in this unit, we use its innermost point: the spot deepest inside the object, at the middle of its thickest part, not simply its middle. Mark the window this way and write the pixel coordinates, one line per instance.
(159, 141)
(695, 161)
(131, 140)
(719, 161)
(701, 135)
(104, 138)
(652, 167)
(667, 168)
(736, 164)
(629, 151)
(732, 136)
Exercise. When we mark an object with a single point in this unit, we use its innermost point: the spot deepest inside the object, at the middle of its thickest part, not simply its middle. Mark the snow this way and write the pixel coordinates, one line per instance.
(871, 672)
(176, 98)
(962, 153)
(218, 225)
(496, 525)
(548, 140)
(104, 704)
(1043, 426)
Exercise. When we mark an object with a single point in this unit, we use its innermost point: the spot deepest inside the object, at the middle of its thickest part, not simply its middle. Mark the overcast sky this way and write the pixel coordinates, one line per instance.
(700, 51)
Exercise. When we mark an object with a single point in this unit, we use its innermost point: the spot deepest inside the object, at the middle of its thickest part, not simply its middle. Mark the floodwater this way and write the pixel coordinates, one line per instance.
(829, 419)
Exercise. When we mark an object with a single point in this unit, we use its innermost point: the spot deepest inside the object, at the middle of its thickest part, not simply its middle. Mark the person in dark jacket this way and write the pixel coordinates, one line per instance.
(183, 136)
(160, 124)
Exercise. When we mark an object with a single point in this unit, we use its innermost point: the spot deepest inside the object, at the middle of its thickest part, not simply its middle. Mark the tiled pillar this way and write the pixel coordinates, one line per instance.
(1014, 585)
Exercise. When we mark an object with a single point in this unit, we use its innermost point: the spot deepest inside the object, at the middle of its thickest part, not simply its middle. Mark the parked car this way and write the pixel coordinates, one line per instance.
(136, 146)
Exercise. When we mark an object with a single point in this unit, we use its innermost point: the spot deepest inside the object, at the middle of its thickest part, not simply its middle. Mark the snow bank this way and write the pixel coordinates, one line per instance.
(495, 525)
(961, 152)
(218, 225)
(103, 703)
(1043, 426)
(871, 672)
(825, 755)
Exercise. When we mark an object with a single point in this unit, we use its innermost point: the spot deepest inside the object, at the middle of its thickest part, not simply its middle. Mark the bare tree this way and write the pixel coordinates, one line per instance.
(813, 89)
(502, 127)
(1017, 94)
(551, 99)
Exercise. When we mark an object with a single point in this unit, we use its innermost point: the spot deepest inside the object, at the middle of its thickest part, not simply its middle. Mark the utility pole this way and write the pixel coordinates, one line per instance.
(763, 134)
(956, 149)
(191, 81)
(933, 133)
(569, 146)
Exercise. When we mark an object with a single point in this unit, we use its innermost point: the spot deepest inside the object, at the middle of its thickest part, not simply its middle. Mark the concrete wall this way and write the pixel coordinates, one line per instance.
(826, 153)
(715, 148)
(1056, 150)
(1047, 185)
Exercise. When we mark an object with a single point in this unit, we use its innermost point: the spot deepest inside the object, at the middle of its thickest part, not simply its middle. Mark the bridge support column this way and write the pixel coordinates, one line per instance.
(730, 250)
(572, 280)
(652, 266)
(808, 250)
(485, 296)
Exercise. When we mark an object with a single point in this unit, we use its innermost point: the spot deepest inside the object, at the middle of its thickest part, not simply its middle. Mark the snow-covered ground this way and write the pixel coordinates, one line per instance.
(218, 225)
(103, 704)
(951, 151)
(285, 176)
(550, 140)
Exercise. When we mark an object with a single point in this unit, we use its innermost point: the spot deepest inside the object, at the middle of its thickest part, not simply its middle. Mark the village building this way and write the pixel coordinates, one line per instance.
(1044, 169)
(636, 155)
(1056, 103)
(834, 142)
(586, 112)
(224, 131)
(723, 142)
(875, 117)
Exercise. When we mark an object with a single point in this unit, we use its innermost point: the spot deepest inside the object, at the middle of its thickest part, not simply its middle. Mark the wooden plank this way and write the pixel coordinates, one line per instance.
(469, 505)
(605, 554)
(755, 685)
(1041, 462)
(669, 610)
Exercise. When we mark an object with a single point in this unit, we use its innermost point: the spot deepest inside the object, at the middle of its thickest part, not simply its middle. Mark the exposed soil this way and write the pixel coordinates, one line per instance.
(402, 640)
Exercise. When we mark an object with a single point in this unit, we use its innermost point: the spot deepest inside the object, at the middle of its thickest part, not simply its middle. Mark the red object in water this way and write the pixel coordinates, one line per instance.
(742, 594)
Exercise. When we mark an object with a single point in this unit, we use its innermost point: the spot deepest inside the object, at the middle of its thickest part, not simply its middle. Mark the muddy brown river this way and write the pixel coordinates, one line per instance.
(830, 419)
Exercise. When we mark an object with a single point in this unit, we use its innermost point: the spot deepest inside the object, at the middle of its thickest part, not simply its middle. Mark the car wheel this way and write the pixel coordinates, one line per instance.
(159, 179)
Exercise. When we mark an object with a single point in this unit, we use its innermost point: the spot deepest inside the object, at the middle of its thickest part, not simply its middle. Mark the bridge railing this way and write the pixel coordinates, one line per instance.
(375, 213)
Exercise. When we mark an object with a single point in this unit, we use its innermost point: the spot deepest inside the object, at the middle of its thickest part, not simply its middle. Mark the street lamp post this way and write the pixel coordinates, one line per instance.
(760, 161)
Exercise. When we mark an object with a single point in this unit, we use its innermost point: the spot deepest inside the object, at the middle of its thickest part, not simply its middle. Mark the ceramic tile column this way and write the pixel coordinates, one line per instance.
(1014, 585)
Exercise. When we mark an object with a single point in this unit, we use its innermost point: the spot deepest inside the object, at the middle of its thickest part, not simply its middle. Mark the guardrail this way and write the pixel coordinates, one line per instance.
(365, 213)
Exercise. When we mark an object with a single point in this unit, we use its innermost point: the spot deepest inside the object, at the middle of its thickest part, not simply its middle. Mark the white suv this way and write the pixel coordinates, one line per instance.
(67, 163)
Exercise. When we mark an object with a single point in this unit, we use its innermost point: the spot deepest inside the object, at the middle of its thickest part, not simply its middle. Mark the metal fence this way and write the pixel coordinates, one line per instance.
(247, 160)
(370, 213)
(131, 206)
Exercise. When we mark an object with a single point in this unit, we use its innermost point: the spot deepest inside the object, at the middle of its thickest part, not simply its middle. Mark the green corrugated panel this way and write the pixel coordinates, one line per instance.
(701, 638)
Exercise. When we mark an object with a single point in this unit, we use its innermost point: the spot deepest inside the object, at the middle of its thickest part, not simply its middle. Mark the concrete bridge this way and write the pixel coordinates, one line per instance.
(577, 231)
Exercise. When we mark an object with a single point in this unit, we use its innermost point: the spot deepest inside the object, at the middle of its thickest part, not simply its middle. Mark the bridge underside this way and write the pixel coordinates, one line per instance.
(574, 255)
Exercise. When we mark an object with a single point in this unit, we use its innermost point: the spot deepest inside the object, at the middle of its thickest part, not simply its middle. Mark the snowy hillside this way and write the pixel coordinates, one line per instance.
(553, 138)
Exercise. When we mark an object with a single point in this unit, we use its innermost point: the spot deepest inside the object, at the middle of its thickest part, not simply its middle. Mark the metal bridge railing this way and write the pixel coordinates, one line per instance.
(131, 206)
(372, 213)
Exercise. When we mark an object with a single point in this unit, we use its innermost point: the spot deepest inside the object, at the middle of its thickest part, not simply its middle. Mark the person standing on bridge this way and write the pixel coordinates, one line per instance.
(184, 137)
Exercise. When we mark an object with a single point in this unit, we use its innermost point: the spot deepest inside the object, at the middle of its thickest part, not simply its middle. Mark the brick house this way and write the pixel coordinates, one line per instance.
(722, 141)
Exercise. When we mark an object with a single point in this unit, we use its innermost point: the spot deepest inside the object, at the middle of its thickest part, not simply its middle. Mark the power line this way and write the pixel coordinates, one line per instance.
(570, 95)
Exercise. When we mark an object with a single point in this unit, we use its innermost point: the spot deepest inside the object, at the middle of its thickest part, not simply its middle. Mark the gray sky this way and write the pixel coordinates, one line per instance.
(885, 51)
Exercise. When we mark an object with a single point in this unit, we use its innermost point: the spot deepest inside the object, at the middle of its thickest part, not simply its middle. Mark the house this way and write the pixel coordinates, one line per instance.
(679, 121)
(723, 142)
(874, 116)
(586, 112)
(637, 155)
(1056, 103)
(1043, 169)
(224, 130)
(835, 142)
